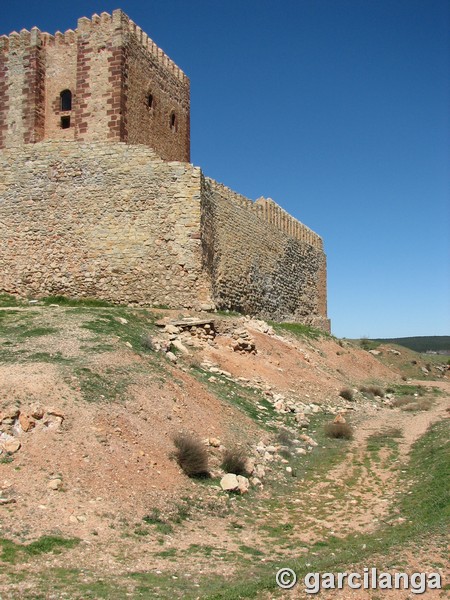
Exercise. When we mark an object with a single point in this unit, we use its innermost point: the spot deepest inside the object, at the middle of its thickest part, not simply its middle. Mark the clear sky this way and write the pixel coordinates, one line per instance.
(336, 109)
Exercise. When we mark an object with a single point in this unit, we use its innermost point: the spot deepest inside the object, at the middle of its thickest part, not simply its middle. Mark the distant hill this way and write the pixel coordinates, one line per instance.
(436, 343)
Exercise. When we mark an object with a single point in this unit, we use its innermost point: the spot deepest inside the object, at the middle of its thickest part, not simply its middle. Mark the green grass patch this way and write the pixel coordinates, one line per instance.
(65, 301)
(245, 398)
(37, 332)
(12, 552)
(299, 330)
(98, 387)
(7, 300)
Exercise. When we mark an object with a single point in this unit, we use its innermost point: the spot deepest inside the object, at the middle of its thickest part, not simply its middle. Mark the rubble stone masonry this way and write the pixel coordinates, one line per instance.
(115, 221)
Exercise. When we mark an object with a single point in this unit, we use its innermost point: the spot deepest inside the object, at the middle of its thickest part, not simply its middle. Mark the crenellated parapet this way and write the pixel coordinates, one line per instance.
(269, 211)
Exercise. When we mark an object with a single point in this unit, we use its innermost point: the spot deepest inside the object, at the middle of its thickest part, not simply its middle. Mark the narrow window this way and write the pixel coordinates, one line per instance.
(66, 100)
(173, 122)
(65, 122)
(150, 100)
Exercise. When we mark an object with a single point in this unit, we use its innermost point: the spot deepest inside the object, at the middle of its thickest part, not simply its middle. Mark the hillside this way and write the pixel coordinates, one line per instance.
(95, 506)
(434, 343)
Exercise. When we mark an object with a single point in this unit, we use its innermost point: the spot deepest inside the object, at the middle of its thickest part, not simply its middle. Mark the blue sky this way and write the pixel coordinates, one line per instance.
(336, 109)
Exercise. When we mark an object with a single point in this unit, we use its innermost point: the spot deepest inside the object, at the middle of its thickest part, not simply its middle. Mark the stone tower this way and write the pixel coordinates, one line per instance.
(105, 81)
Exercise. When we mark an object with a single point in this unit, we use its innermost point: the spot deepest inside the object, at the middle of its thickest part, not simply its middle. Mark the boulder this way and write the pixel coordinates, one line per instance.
(171, 356)
(229, 483)
(243, 484)
(55, 484)
(25, 422)
(11, 446)
(339, 419)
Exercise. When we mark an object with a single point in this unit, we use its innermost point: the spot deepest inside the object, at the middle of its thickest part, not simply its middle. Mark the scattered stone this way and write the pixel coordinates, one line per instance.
(9, 413)
(308, 439)
(250, 465)
(214, 442)
(55, 484)
(179, 346)
(25, 422)
(171, 329)
(4, 501)
(243, 484)
(56, 412)
(171, 356)
(36, 412)
(259, 471)
(255, 481)
(11, 445)
(339, 419)
(121, 320)
(229, 482)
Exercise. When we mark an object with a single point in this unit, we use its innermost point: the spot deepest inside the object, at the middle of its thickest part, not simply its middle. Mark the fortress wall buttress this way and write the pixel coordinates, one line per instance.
(101, 220)
(258, 267)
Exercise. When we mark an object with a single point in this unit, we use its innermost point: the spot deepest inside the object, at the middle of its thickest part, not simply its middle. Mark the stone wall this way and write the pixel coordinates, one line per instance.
(256, 266)
(115, 221)
(111, 68)
(102, 220)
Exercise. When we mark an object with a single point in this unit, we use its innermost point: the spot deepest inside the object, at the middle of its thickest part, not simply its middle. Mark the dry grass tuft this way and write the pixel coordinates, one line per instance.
(346, 393)
(191, 455)
(339, 431)
(372, 390)
(235, 461)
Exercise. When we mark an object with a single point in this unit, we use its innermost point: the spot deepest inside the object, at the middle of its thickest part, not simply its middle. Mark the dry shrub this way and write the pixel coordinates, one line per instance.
(372, 390)
(418, 404)
(191, 455)
(346, 393)
(285, 437)
(339, 431)
(235, 461)
(411, 403)
(147, 342)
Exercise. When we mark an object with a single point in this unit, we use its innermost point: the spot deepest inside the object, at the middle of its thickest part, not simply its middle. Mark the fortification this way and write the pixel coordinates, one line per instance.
(98, 199)
(105, 81)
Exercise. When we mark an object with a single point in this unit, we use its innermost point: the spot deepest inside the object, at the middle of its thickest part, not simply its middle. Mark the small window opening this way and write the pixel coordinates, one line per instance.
(150, 100)
(66, 100)
(173, 122)
(65, 122)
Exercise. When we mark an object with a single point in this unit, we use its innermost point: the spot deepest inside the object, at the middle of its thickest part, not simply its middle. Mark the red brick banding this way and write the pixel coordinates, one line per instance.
(4, 99)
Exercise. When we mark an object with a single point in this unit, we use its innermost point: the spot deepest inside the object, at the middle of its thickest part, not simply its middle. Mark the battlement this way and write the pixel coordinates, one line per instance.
(268, 210)
(117, 23)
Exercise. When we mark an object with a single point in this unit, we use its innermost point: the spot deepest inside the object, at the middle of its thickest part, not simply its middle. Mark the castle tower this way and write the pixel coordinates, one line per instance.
(105, 81)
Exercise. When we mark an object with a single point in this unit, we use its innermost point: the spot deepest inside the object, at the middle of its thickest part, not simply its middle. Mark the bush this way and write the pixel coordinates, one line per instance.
(372, 390)
(191, 455)
(285, 437)
(147, 342)
(346, 393)
(339, 431)
(235, 461)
